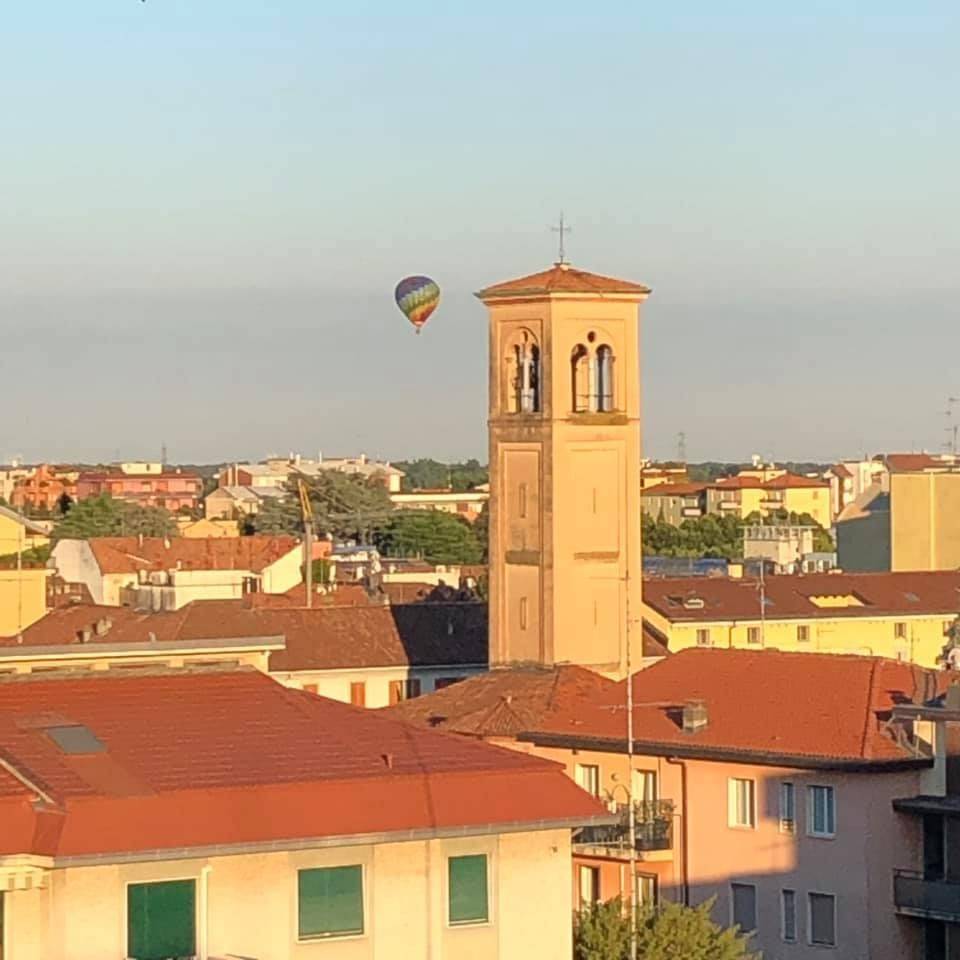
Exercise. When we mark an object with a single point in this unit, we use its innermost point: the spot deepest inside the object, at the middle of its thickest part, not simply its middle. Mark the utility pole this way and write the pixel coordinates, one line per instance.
(631, 808)
(682, 447)
(307, 510)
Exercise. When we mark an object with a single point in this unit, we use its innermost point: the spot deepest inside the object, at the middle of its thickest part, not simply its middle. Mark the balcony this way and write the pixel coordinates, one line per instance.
(654, 832)
(913, 896)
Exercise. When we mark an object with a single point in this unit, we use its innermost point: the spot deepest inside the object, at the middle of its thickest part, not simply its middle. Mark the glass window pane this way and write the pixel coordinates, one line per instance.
(744, 905)
(330, 901)
(789, 911)
(161, 920)
(468, 889)
(822, 930)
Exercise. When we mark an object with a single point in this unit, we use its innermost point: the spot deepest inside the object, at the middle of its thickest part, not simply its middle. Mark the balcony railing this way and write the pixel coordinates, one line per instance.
(653, 828)
(915, 896)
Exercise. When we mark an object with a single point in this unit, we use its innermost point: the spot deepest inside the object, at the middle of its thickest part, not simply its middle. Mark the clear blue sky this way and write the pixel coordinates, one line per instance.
(206, 206)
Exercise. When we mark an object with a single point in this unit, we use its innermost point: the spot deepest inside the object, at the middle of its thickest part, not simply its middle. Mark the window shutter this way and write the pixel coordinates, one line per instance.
(161, 920)
(330, 901)
(468, 889)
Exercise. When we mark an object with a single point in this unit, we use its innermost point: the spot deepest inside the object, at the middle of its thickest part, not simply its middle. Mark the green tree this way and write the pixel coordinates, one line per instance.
(345, 506)
(481, 528)
(437, 537)
(670, 932)
(33, 557)
(427, 474)
(104, 517)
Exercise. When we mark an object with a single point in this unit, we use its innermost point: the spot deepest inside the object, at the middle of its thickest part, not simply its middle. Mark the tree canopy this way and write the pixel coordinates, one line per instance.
(426, 474)
(669, 932)
(435, 536)
(105, 517)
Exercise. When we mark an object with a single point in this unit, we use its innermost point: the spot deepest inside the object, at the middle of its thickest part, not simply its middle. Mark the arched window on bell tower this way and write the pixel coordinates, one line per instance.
(580, 379)
(604, 379)
(523, 374)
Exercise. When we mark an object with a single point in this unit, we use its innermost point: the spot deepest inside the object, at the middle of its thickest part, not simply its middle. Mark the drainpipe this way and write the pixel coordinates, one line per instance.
(684, 859)
(203, 945)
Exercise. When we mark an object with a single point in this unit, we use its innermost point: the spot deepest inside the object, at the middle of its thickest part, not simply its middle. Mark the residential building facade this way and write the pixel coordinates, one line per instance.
(42, 489)
(171, 490)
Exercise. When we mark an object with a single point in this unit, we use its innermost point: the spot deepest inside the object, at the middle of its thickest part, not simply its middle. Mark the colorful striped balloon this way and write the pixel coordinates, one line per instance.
(417, 297)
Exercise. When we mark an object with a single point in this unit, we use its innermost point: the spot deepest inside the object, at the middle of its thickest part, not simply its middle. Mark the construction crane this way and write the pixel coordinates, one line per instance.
(306, 509)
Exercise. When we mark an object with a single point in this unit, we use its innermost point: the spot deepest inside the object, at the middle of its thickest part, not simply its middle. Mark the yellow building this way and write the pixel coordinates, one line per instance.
(908, 521)
(904, 616)
(564, 426)
(748, 493)
(23, 586)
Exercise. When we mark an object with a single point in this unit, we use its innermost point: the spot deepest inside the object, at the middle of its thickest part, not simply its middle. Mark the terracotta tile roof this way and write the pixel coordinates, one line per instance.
(737, 483)
(503, 702)
(839, 470)
(907, 462)
(560, 278)
(793, 481)
(873, 500)
(764, 706)
(792, 597)
(128, 554)
(193, 759)
(673, 490)
(322, 638)
(380, 636)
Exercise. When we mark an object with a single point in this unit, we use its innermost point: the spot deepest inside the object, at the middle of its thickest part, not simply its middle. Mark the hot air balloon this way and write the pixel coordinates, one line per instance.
(417, 297)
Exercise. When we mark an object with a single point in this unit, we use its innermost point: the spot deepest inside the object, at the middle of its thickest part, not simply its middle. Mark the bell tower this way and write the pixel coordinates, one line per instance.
(564, 427)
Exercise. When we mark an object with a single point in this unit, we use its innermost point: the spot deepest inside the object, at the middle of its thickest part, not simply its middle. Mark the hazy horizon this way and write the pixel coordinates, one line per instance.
(207, 211)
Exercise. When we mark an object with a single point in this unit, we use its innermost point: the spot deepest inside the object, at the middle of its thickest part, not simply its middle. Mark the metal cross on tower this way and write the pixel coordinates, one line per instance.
(563, 229)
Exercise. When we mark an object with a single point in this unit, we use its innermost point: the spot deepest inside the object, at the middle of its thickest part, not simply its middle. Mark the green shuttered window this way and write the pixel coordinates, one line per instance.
(330, 902)
(468, 889)
(161, 920)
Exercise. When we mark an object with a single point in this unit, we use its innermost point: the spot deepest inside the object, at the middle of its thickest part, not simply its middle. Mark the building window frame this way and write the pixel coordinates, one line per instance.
(588, 881)
(346, 934)
(753, 636)
(810, 931)
(648, 890)
(183, 879)
(788, 932)
(733, 910)
(587, 776)
(741, 811)
(900, 630)
(803, 633)
(788, 806)
(703, 637)
(828, 830)
(479, 921)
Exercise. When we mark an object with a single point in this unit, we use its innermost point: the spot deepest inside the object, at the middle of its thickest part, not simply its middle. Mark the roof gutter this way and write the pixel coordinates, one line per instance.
(318, 843)
(726, 754)
(96, 651)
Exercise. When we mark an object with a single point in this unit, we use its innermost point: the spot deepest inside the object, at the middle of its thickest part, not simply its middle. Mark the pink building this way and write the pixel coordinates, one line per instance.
(761, 778)
(170, 489)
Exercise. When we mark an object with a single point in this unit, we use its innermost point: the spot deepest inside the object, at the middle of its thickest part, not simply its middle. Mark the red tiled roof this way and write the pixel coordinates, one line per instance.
(793, 481)
(193, 759)
(839, 470)
(673, 489)
(906, 462)
(765, 706)
(502, 702)
(561, 278)
(737, 483)
(128, 554)
(789, 597)
(322, 638)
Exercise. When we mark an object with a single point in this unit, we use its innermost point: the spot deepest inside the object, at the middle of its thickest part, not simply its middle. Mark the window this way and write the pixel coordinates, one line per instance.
(580, 379)
(523, 613)
(803, 634)
(604, 379)
(358, 694)
(788, 915)
(161, 920)
(467, 889)
(821, 812)
(823, 919)
(648, 893)
(589, 886)
(330, 902)
(645, 789)
(900, 631)
(753, 635)
(788, 807)
(522, 501)
(396, 691)
(703, 638)
(413, 687)
(742, 806)
(523, 362)
(588, 777)
(744, 898)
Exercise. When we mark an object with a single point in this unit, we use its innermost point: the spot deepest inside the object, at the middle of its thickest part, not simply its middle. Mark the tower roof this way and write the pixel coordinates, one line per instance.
(561, 278)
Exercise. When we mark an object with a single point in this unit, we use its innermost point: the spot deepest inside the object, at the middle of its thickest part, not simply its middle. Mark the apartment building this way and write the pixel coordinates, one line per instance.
(904, 616)
(147, 485)
(331, 830)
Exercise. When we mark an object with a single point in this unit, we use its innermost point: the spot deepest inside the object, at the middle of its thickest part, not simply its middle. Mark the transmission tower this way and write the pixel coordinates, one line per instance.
(681, 447)
(952, 427)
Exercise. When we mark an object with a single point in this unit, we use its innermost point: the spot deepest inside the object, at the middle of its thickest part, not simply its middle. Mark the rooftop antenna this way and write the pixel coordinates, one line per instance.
(562, 229)
(682, 447)
(163, 454)
(952, 427)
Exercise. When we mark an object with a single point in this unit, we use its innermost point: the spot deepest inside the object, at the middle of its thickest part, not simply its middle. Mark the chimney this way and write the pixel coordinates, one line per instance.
(952, 699)
(387, 760)
(140, 539)
(694, 716)
(102, 627)
(166, 543)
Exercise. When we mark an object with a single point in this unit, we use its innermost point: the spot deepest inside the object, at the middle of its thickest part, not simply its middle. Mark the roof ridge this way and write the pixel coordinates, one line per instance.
(870, 708)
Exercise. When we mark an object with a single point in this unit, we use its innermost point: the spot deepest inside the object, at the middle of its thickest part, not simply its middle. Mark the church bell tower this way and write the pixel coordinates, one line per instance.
(564, 426)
